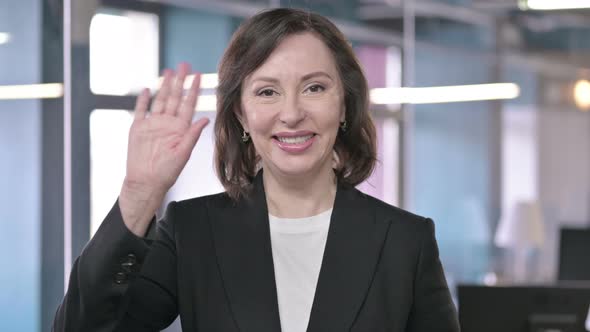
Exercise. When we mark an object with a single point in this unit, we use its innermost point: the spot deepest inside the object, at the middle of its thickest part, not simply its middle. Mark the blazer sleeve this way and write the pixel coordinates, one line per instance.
(119, 277)
(433, 309)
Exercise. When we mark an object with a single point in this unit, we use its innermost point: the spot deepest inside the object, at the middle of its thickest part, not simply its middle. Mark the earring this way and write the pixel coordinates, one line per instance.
(343, 125)
(245, 136)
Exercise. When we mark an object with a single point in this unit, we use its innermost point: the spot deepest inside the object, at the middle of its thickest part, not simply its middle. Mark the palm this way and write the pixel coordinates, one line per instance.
(160, 144)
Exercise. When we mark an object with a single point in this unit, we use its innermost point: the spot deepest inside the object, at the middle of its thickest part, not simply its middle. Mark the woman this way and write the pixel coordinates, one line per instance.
(293, 138)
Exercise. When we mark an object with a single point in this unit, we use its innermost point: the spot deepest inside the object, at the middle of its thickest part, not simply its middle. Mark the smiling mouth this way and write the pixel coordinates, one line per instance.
(294, 139)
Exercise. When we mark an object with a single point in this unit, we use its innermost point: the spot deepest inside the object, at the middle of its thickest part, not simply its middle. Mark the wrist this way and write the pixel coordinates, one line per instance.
(138, 206)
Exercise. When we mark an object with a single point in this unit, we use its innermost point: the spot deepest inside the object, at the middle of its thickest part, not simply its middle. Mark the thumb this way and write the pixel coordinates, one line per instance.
(192, 135)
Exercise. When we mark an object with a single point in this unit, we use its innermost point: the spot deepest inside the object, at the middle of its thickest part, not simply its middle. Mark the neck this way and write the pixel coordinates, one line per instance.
(301, 196)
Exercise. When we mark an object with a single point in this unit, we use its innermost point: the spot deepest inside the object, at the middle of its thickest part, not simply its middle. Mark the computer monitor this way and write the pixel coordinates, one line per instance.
(574, 254)
(524, 309)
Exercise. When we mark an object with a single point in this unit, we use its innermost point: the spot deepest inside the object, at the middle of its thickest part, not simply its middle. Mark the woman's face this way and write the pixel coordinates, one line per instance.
(292, 107)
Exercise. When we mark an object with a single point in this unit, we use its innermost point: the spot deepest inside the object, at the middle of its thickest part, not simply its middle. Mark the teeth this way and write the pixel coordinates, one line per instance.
(294, 140)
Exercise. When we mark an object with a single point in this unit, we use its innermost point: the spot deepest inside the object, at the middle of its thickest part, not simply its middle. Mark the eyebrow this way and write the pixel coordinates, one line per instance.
(304, 78)
(315, 74)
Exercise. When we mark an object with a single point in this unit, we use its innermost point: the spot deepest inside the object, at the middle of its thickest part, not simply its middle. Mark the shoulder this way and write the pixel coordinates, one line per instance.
(405, 230)
(203, 202)
(408, 237)
(191, 215)
(396, 215)
(195, 209)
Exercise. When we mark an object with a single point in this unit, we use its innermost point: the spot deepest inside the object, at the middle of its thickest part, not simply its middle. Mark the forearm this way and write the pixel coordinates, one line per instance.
(100, 277)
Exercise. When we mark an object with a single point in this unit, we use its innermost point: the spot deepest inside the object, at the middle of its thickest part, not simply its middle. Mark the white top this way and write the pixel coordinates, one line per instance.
(297, 251)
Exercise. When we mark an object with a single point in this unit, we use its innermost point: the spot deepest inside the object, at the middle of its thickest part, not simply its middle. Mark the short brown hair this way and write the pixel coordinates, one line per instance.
(253, 42)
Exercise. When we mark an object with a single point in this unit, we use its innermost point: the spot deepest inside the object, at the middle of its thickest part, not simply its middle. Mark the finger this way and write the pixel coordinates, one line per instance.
(187, 109)
(141, 104)
(192, 136)
(175, 97)
(162, 95)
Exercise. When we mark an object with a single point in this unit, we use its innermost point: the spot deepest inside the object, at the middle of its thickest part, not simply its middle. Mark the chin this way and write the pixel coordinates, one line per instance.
(294, 170)
(294, 167)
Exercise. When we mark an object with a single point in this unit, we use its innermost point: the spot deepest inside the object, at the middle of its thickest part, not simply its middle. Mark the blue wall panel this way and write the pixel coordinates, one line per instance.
(20, 174)
(452, 163)
(198, 38)
(20, 184)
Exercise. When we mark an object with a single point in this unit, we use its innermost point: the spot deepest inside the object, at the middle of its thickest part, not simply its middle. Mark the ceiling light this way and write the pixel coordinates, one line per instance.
(444, 94)
(553, 4)
(582, 94)
(4, 38)
(208, 81)
(31, 91)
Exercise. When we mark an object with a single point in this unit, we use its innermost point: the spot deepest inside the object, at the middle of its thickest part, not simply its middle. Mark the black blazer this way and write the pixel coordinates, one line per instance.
(211, 262)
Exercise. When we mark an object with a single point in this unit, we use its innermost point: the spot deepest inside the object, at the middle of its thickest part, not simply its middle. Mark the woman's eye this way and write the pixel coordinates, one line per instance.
(316, 88)
(266, 93)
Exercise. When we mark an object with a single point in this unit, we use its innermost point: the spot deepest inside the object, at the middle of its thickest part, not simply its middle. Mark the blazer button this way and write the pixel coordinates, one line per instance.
(131, 258)
(129, 263)
(120, 278)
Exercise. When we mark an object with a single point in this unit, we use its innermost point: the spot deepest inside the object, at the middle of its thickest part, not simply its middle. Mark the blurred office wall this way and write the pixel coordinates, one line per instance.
(470, 161)
(20, 169)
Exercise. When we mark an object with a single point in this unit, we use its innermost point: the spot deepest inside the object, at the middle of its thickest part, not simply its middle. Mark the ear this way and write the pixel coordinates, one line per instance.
(343, 114)
(239, 115)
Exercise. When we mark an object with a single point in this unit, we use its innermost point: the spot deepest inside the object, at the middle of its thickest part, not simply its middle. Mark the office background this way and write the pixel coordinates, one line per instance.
(468, 165)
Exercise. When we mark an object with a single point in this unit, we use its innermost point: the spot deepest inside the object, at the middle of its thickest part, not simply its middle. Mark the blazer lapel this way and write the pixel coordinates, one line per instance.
(242, 241)
(353, 247)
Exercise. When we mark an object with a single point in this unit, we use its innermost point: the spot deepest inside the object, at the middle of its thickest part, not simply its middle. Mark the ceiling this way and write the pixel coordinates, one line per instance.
(468, 24)
(558, 35)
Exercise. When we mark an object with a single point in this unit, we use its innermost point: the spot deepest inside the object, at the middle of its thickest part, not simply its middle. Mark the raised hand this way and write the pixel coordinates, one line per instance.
(160, 144)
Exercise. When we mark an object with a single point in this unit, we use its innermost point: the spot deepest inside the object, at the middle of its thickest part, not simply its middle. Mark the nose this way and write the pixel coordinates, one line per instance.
(292, 112)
